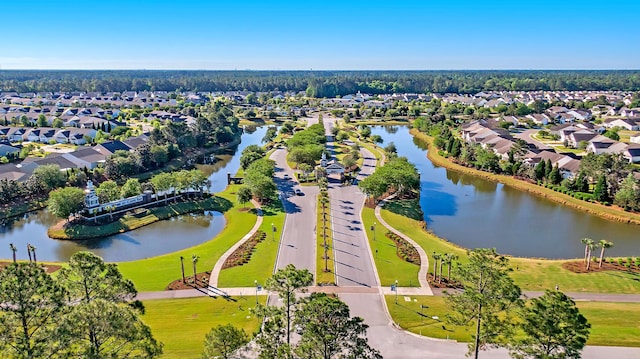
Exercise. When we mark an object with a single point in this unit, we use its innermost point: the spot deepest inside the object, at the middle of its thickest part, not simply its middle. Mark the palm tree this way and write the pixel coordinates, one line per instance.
(586, 242)
(29, 251)
(443, 257)
(592, 245)
(450, 258)
(14, 250)
(603, 244)
(436, 257)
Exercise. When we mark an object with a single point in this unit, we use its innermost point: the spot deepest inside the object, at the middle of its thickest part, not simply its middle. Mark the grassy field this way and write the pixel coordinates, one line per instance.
(323, 277)
(614, 324)
(390, 266)
(181, 324)
(263, 259)
(529, 274)
(131, 222)
(156, 273)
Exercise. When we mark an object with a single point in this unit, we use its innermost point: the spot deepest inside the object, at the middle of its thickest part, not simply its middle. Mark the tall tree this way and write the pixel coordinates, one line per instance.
(31, 305)
(88, 277)
(603, 244)
(108, 191)
(223, 340)
(285, 282)
(244, 195)
(105, 329)
(65, 201)
(489, 294)
(553, 328)
(131, 188)
(328, 330)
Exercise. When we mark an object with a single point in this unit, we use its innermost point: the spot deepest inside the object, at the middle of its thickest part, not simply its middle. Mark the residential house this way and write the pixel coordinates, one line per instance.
(88, 157)
(7, 150)
(635, 139)
(16, 134)
(576, 138)
(627, 124)
(602, 144)
(632, 153)
(629, 112)
(109, 148)
(16, 172)
(539, 118)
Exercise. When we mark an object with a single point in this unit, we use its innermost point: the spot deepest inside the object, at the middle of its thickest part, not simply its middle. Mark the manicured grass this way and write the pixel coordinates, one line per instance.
(390, 266)
(181, 324)
(131, 222)
(409, 316)
(263, 260)
(408, 208)
(156, 273)
(529, 274)
(323, 277)
(614, 324)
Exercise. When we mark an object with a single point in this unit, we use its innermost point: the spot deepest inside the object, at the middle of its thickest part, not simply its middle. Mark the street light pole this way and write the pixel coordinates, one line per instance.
(396, 291)
(256, 283)
(373, 229)
(273, 231)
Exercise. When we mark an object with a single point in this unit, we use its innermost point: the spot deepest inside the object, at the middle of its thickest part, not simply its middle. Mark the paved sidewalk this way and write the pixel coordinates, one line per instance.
(424, 259)
(215, 273)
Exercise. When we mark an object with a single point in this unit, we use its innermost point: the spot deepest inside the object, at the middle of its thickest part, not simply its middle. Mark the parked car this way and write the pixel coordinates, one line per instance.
(298, 192)
(286, 176)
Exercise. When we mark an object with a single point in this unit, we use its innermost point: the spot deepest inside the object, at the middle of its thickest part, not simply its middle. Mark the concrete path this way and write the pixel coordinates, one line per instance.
(215, 273)
(425, 289)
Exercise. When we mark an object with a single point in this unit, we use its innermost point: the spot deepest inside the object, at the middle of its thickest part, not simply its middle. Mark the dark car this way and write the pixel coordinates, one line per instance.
(298, 192)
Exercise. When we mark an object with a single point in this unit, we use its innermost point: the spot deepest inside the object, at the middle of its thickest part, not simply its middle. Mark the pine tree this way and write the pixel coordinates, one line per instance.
(601, 191)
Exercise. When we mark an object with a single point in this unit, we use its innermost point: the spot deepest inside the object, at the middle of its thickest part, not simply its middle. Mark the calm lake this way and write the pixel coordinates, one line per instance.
(155, 239)
(474, 213)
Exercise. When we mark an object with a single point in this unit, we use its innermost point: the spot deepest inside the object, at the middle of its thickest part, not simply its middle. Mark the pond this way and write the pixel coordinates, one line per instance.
(473, 212)
(152, 240)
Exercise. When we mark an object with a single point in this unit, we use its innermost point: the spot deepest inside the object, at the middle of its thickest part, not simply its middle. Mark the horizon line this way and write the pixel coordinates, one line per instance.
(320, 70)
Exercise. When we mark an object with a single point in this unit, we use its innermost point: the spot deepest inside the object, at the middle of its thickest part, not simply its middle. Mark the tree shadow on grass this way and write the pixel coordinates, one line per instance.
(406, 207)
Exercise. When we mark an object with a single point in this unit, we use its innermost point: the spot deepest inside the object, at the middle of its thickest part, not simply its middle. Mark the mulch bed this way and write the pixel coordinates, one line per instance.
(49, 268)
(579, 267)
(242, 254)
(202, 281)
(444, 283)
(404, 249)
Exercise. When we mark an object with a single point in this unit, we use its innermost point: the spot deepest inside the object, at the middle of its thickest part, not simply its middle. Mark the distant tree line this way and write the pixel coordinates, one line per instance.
(318, 83)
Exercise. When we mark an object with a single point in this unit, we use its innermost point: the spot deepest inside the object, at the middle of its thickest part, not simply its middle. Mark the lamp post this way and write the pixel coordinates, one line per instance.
(273, 231)
(256, 283)
(182, 265)
(373, 229)
(396, 291)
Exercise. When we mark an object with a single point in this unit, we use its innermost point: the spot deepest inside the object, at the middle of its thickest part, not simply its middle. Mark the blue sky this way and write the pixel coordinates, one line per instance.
(320, 35)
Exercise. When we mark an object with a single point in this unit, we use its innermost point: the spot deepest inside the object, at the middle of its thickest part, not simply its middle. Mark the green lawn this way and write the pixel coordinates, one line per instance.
(390, 266)
(156, 273)
(323, 277)
(614, 324)
(263, 259)
(529, 274)
(181, 324)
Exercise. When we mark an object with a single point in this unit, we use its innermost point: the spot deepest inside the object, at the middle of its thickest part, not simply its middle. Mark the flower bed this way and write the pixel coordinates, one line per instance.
(242, 254)
(404, 249)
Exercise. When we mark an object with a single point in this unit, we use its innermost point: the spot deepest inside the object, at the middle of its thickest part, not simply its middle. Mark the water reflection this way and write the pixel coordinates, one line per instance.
(156, 239)
(474, 212)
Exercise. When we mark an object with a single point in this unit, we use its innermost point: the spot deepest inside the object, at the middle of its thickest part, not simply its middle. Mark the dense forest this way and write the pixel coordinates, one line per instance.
(317, 83)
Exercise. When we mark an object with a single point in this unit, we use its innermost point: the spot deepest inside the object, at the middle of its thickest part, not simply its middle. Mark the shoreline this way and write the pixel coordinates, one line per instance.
(605, 212)
(60, 231)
